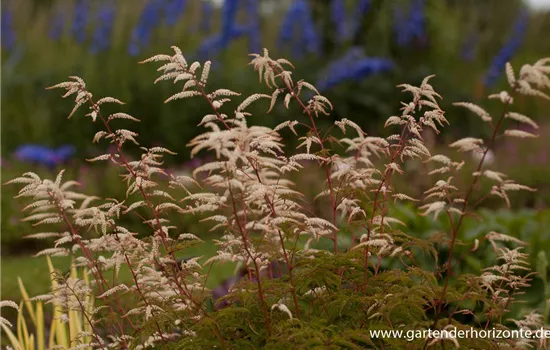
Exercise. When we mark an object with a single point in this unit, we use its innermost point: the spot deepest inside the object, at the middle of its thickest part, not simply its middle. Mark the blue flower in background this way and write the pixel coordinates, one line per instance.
(43, 155)
(57, 25)
(508, 50)
(229, 13)
(207, 11)
(338, 17)
(299, 29)
(255, 40)
(80, 20)
(174, 9)
(213, 44)
(141, 34)
(468, 52)
(361, 10)
(353, 65)
(8, 34)
(101, 38)
(411, 26)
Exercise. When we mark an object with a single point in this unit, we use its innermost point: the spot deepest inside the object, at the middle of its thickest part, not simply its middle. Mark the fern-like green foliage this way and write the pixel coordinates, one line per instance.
(309, 281)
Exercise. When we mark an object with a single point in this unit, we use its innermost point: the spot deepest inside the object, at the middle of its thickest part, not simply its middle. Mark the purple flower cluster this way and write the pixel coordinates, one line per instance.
(101, 38)
(299, 30)
(410, 27)
(353, 65)
(8, 34)
(43, 155)
(507, 51)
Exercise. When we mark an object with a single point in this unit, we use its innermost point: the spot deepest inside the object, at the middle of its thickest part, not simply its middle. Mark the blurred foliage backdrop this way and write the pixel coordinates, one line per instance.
(102, 41)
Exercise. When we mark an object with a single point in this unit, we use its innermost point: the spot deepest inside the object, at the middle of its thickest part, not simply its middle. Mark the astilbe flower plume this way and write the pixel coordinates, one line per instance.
(245, 191)
(141, 34)
(105, 19)
(81, 17)
(353, 65)
(496, 68)
(8, 32)
(298, 30)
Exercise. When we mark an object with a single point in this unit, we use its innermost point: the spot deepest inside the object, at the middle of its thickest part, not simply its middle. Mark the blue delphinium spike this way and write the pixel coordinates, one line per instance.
(253, 14)
(101, 38)
(353, 65)
(80, 20)
(360, 11)
(299, 30)
(148, 20)
(174, 9)
(206, 16)
(410, 26)
(57, 25)
(8, 33)
(311, 36)
(44, 155)
(65, 152)
(229, 12)
(213, 44)
(507, 51)
(339, 19)
(468, 51)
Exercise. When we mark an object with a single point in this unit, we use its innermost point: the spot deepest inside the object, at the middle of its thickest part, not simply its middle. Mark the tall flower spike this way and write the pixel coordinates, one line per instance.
(142, 32)
(101, 38)
(173, 10)
(507, 51)
(81, 16)
(8, 33)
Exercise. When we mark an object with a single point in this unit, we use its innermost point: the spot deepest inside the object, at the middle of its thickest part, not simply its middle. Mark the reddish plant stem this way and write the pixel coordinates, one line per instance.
(244, 237)
(94, 268)
(313, 127)
(455, 229)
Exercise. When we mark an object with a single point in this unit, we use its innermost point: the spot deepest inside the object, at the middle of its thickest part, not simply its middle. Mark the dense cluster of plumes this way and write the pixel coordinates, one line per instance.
(264, 221)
